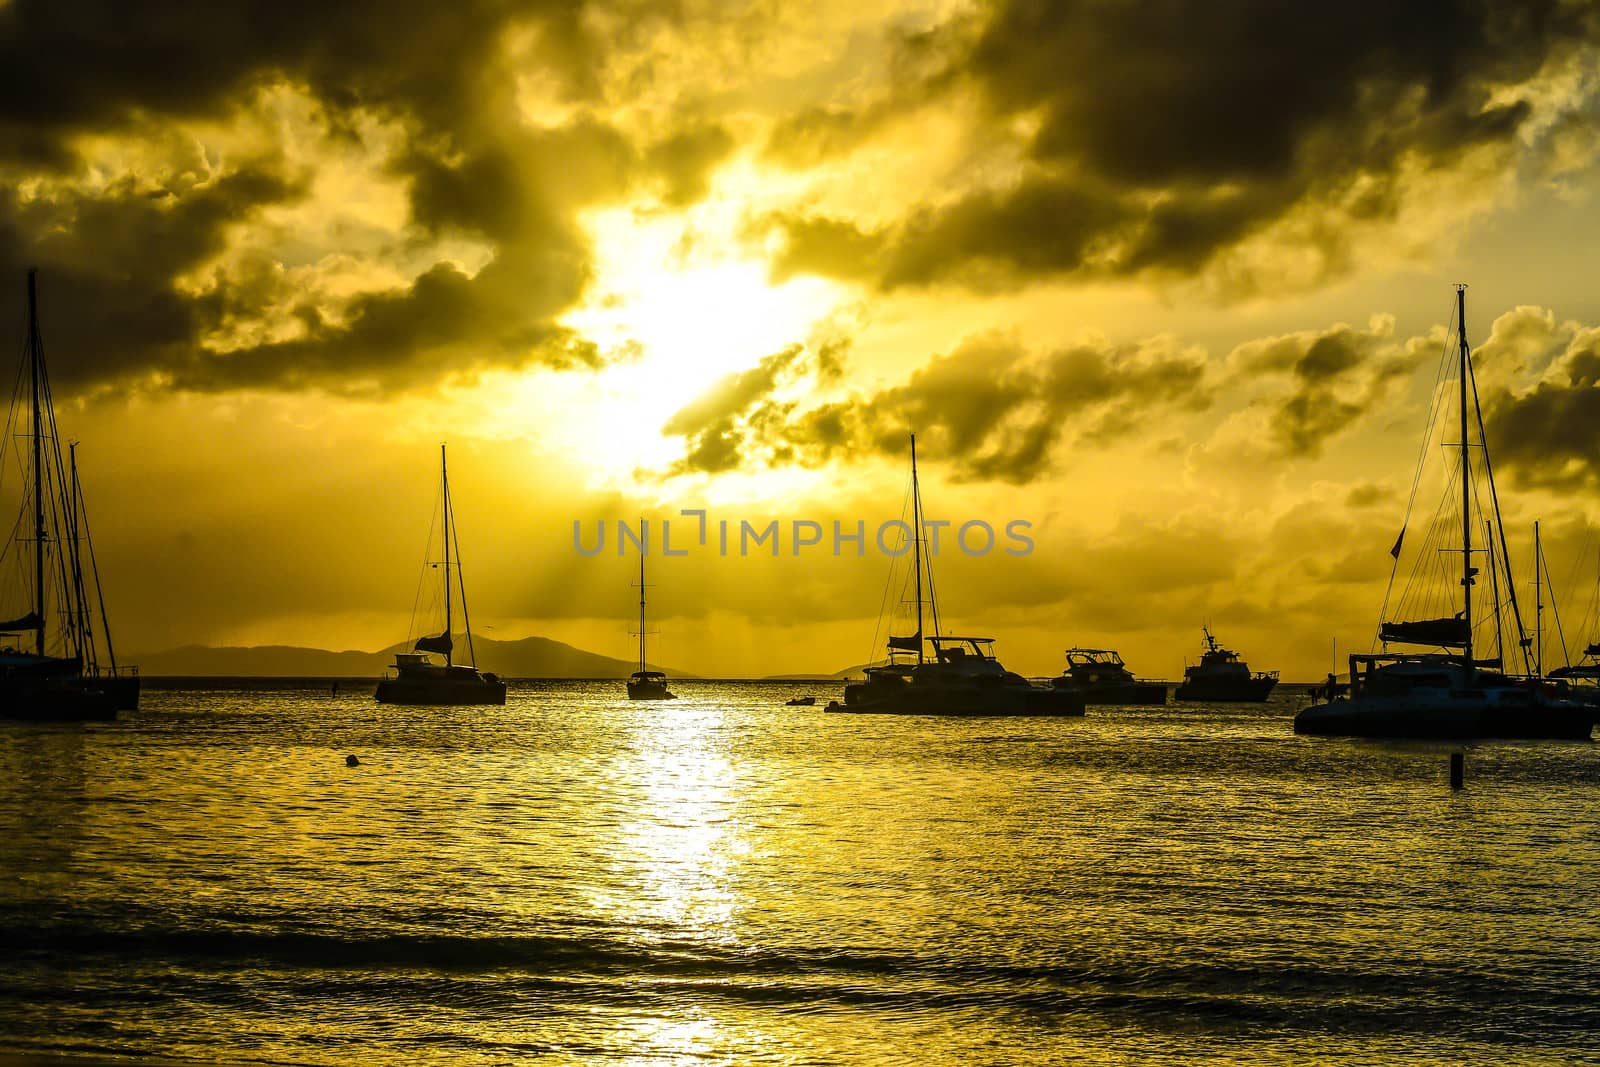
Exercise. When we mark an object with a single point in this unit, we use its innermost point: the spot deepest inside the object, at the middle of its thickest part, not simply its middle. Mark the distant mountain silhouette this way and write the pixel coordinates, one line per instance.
(531, 657)
(799, 676)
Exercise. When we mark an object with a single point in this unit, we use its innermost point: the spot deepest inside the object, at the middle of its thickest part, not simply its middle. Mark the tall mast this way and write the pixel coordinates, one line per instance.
(1538, 605)
(916, 540)
(642, 595)
(34, 358)
(1466, 488)
(444, 474)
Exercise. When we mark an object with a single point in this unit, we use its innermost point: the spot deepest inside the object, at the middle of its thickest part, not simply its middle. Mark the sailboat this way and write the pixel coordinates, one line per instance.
(418, 679)
(644, 683)
(71, 671)
(1448, 693)
(962, 677)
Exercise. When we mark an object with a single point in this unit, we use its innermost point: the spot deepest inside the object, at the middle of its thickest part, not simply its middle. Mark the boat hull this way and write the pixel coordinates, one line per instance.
(76, 699)
(649, 691)
(1378, 718)
(123, 690)
(1245, 691)
(961, 701)
(1145, 693)
(440, 691)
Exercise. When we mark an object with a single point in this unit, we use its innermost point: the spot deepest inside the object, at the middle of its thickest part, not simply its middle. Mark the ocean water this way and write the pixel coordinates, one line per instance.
(574, 878)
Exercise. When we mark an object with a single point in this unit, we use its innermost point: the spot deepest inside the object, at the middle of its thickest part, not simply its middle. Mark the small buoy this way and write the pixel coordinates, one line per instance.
(351, 761)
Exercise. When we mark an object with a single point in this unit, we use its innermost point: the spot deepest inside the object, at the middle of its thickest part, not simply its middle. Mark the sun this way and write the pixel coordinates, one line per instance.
(677, 305)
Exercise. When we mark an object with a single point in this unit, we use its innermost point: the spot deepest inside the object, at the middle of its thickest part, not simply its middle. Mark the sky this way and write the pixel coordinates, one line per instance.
(1166, 281)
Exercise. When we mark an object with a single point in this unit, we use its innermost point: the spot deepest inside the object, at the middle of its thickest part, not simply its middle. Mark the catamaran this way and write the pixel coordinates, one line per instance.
(420, 680)
(71, 670)
(961, 677)
(1449, 692)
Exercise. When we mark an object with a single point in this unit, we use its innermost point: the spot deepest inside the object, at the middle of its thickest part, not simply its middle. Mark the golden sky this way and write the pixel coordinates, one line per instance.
(1167, 280)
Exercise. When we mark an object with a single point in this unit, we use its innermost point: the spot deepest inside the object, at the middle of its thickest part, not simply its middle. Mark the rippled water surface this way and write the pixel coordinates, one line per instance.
(726, 880)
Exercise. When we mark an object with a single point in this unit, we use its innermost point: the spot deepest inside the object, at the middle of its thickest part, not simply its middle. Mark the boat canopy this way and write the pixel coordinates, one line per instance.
(949, 648)
(1098, 656)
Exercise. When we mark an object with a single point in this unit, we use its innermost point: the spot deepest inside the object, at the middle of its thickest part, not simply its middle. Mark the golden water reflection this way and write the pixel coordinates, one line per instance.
(680, 846)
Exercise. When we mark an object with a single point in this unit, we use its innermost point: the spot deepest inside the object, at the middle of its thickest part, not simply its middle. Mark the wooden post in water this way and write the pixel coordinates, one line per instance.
(1458, 769)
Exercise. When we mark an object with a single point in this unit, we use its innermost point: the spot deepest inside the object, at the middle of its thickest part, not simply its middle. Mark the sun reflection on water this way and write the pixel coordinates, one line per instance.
(677, 862)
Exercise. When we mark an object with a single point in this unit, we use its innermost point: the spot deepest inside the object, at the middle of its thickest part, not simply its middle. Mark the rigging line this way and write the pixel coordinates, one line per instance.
(1441, 377)
(1432, 576)
(1494, 587)
(79, 590)
(1591, 614)
(888, 585)
(94, 569)
(1555, 611)
(16, 393)
(1494, 500)
(1572, 576)
(15, 540)
(72, 634)
(422, 575)
(461, 582)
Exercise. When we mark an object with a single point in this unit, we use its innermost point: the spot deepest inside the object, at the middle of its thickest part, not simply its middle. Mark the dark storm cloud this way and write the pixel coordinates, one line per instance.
(1546, 436)
(107, 263)
(1336, 377)
(1164, 133)
(416, 331)
(991, 409)
(437, 73)
(70, 66)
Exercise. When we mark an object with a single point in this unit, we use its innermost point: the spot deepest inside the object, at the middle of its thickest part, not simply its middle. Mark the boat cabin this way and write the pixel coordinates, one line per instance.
(956, 649)
(1096, 665)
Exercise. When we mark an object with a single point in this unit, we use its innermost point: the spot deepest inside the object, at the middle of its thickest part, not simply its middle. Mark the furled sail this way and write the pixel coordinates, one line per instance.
(30, 621)
(439, 643)
(1445, 633)
(1582, 670)
(906, 644)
